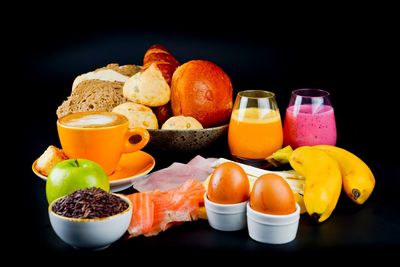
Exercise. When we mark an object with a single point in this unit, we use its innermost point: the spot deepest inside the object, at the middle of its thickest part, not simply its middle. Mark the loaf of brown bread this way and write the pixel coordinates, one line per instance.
(93, 95)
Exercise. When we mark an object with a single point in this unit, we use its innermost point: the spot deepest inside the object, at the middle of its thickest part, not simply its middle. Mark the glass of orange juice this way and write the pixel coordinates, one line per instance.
(255, 128)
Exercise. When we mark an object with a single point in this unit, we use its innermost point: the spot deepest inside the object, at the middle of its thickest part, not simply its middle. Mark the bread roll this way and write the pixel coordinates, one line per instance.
(49, 159)
(138, 115)
(148, 88)
(181, 123)
(160, 55)
(202, 90)
(163, 113)
(167, 64)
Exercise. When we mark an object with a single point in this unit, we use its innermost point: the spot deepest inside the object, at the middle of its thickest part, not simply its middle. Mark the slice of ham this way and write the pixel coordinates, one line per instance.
(202, 163)
(198, 168)
(157, 211)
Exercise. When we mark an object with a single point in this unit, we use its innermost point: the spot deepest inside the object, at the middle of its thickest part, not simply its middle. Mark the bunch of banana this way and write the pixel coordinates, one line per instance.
(323, 180)
(322, 187)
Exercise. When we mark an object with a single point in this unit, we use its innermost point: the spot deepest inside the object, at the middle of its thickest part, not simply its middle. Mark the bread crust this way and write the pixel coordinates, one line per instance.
(202, 90)
(50, 157)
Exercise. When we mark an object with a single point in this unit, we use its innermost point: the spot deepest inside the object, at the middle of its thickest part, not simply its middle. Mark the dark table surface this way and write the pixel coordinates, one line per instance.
(374, 226)
(280, 66)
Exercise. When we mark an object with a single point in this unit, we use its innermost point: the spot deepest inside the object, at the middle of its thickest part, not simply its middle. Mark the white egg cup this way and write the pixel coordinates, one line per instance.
(272, 229)
(225, 217)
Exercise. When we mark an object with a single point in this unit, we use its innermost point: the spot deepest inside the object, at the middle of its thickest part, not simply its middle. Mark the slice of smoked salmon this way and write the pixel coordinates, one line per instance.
(175, 206)
(171, 208)
(142, 213)
(192, 189)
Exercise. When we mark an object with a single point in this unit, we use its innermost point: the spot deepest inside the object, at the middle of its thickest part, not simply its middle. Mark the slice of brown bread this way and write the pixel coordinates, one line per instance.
(127, 70)
(93, 95)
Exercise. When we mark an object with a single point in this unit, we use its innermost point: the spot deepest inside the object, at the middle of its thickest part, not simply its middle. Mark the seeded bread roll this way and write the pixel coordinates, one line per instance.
(93, 95)
(181, 123)
(138, 115)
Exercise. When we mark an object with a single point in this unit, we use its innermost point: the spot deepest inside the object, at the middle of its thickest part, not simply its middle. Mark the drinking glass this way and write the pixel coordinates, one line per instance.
(255, 128)
(309, 119)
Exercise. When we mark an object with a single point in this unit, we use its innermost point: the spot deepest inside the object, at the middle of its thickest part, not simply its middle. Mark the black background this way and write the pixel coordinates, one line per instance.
(345, 53)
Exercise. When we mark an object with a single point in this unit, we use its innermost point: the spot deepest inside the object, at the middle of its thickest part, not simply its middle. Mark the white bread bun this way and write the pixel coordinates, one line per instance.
(181, 123)
(138, 115)
(148, 87)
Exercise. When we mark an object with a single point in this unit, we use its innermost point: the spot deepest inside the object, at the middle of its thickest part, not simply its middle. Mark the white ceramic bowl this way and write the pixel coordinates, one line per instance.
(96, 234)
(225, 217)
(272, 229)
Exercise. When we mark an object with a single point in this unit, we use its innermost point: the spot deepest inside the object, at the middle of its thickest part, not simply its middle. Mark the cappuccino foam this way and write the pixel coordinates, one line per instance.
(92, 120)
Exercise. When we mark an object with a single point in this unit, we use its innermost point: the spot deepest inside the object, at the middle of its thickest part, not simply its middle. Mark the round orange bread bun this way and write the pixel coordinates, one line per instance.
(202, 90)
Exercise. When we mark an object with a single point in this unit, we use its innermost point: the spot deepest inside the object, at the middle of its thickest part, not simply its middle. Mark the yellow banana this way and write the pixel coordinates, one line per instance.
(300, 200)
(280, 157)
(323, 180)
(358, 180)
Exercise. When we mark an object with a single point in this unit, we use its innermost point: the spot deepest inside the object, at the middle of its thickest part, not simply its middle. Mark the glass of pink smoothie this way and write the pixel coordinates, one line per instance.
(309, 119)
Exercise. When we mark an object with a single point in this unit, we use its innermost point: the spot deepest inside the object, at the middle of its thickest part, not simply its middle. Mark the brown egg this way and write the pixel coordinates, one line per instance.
(228, 184)
(271, 194)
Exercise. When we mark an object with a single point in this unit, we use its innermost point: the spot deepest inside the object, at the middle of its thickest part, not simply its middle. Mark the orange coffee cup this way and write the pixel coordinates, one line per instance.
(99, 136)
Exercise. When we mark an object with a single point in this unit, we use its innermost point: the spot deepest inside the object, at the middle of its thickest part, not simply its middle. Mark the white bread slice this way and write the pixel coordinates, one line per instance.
(103, 75)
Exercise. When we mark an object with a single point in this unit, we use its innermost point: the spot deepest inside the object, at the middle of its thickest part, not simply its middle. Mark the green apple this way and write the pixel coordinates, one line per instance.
(70, 175)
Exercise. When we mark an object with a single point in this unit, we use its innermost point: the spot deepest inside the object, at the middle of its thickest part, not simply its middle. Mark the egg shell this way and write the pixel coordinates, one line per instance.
(228, 184)
(271, 194)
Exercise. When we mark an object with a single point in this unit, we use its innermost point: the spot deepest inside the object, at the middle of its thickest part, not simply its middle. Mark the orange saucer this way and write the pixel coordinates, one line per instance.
(130, 167)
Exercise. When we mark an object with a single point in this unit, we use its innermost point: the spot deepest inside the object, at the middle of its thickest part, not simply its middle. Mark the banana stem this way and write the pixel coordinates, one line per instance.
(315, 216)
